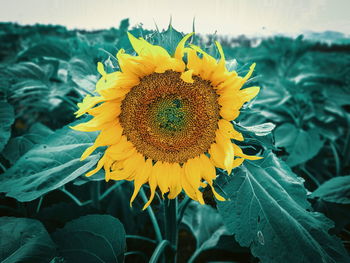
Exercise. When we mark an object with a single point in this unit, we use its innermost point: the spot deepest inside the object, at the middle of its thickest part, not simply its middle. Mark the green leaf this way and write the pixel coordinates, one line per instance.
(207, 227)
(300, 144)
(49, 165)
(169, 39)
(267, 211)
(92, 238)
(55, 48)
(203, 221)
(18, 146)
(83, 72)
(260, 134)
(335, 190)
(260, 129)
(24, 240)
(339, 94)
(7, 117)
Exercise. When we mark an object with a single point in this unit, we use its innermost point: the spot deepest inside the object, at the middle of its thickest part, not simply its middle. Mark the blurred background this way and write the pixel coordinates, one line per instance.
(231, 17)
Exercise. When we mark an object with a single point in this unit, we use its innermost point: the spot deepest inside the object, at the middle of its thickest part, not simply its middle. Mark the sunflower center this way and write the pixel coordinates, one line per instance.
(168, 119)
(169, 115)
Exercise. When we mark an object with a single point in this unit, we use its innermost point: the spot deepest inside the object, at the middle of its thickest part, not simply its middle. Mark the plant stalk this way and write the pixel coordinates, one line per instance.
(171, 227)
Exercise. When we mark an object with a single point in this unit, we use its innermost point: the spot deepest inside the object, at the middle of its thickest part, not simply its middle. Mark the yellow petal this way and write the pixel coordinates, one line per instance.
(187, 76)
(209, 174)
(101, 69)
(100, 164)
(249, 93)
(107, 166)
(143, 48)
(237, 162)
(175, 176)
(189, 190)
(164, 64)
(121, 150)
(87, 104)
(141, 177)
(222, 152)
(179, 52)
(129, 167)
(228, 113)
(193, 176)
(161, 172)
(111, 107)
(208, 63)
(137, 66)
(221, 52)
(251, 69)
(239, 152)
(108, 136)
(193, 61)
(152, 185)
(231, 85)
(226, 128)
(115, 85)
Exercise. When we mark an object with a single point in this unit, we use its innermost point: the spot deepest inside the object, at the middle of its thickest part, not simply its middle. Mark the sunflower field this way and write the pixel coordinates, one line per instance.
(134, 145)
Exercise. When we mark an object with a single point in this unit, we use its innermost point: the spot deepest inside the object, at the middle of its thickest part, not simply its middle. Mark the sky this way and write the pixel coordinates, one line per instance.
(227, 17)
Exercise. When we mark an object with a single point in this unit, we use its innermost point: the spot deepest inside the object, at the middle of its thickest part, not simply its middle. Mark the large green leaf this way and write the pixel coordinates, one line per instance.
(300, 144)
(203, 221)
(18, 146)
(268, 211)
(49, 165)
(24, 240)
(335, 190)
(92, 238)
(7, 117)
(208, 228)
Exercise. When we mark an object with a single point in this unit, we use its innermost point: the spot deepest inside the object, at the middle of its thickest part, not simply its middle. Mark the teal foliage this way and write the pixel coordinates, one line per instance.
(267, 207)
(92, 238)
(25, 240)
(49, 165)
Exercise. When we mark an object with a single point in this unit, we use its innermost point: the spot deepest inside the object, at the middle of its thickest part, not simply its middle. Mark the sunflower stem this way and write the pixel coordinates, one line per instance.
(142, 238)
(152, 217)
(182, 208)
(159, 251)
(171, 227)
(95, 194)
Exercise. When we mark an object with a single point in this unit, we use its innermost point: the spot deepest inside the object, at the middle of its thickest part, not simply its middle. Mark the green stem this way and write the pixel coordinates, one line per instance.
(182, 208)
(111, 189)
(171, 226)
(194, 255)
(152, 217)
(336, 158)
(95, 194)
(74, 198)
(141, 238)
(68, 101)
(3, 168)
(139, 253)
(313, 178)
(39, 204)
(159, 250)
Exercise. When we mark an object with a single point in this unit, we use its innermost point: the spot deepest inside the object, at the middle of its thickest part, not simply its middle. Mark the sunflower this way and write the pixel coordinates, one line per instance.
(166, 120)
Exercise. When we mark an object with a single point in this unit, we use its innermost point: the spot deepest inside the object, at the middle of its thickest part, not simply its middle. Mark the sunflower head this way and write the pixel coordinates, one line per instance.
(166, 120)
